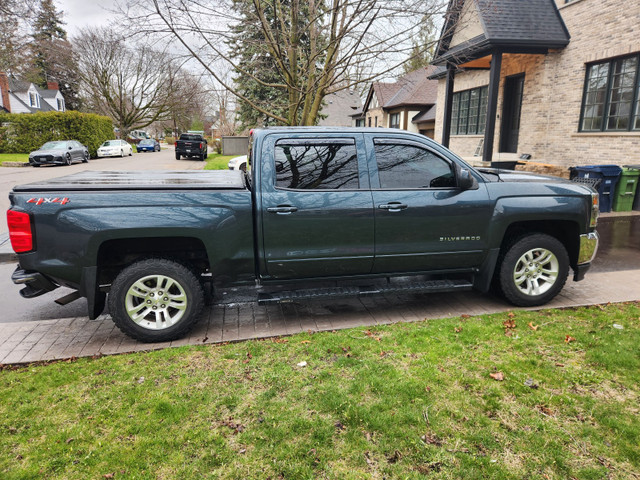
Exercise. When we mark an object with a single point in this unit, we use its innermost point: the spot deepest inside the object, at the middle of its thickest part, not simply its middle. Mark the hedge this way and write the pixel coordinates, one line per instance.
(24, 133)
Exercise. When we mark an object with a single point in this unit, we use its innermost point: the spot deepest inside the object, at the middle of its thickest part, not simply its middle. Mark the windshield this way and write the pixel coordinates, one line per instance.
(54, 146)
(146, 142)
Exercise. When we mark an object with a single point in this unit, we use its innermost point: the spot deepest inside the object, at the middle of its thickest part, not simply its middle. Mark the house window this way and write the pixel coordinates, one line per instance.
(60, 104)
(611, 101)
(369, 121)
(376, 121)
(33, 99)
(394, 120)
(469, 112)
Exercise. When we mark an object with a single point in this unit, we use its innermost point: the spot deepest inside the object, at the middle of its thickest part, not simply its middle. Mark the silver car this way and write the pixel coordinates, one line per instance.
(62, 152)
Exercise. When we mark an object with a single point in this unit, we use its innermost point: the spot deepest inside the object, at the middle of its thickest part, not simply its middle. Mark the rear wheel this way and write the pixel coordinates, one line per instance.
(122, 153)
(533, 270)
(156, 300)
(177, 156)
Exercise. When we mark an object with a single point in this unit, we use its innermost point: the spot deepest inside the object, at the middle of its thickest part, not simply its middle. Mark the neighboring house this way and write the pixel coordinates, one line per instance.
(407, 104)
(554, 79)
(18, 96)
(339, 108)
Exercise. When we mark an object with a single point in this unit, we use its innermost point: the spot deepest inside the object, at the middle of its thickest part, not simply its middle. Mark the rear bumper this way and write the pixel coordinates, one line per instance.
(35, 283)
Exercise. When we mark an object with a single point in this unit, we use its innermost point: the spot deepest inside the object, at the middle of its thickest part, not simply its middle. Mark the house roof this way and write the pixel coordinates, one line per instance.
(16, 85)
(47, 93)
(425, 115)
(339, 107)
(507, 24)
(413, 89)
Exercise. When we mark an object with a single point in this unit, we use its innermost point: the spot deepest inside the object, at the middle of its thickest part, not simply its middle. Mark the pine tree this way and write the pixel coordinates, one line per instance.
(52, 54)
(423, 47)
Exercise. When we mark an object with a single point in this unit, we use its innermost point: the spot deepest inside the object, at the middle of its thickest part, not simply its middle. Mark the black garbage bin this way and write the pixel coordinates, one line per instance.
(608, 174)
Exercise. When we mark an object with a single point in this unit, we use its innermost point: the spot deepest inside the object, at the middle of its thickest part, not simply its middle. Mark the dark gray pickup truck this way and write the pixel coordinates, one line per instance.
(318, 203)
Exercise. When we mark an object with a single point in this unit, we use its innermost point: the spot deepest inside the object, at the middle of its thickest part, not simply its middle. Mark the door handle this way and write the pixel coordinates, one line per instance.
(393, 206)
(282, 209)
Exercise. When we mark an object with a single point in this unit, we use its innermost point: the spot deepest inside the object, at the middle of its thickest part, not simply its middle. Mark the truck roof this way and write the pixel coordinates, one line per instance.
(141, 180)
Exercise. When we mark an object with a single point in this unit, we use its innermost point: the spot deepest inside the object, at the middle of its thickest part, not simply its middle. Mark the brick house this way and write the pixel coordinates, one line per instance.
(555, 79)
(18, 96)
(407, 104)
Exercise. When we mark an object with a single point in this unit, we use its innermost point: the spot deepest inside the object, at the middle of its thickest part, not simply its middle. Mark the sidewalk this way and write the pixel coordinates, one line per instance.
(80, 337)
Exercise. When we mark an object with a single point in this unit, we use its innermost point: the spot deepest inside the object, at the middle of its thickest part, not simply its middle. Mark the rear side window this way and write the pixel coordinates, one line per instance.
(316, 165)
(403, 165)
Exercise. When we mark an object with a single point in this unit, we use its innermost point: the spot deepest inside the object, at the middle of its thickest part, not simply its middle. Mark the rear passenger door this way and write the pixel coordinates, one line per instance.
(316, 206)
(424, 222)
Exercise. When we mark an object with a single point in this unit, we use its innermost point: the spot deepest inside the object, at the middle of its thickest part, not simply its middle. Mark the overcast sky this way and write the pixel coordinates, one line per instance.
(84, 13)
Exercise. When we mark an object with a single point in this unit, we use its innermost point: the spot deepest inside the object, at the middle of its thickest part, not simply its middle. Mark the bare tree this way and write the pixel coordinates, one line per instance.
(133, 86)
(317, 46)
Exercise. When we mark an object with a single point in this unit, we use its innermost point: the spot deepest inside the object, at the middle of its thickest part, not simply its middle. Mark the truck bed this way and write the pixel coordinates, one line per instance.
(143, 180)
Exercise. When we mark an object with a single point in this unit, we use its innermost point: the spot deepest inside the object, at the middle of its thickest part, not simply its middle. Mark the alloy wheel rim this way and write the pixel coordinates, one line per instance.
(156, 302)
(536, 271)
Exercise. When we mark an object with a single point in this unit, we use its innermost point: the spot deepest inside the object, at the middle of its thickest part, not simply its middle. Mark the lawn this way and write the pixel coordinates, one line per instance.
(537, 395)
(14, 157)
(217, 161)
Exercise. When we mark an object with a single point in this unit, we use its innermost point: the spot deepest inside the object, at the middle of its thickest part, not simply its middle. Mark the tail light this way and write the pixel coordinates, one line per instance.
(200, 145)
(20, 231)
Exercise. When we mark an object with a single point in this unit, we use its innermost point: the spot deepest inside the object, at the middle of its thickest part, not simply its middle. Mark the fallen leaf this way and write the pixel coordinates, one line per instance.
(508, 333)
(249, 355)
(305, 341)
(511, 314)
(69, 440)
(533, 327)
(559, 364)
(394, 458)
(242, 451)
(302, 364)
(569, 339)
(545, 410)
(499, 376)
(464, 315)
(509, 324)
(109, 475)
(457, 329)
(431, 439)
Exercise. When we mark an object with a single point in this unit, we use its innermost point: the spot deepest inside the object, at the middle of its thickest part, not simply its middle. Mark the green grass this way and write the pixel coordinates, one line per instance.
(217, 161)
(404, 401)
(14, 157)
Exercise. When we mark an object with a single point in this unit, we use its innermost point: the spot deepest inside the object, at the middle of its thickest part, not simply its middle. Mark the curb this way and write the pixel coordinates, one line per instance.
(7, 255)
(16, 164)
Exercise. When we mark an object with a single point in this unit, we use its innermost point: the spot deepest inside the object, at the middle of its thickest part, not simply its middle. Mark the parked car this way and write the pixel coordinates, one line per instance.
(115, 148)
(63, 152)
(320, 203)
(238, 163)
(148, 145)
(191, 145)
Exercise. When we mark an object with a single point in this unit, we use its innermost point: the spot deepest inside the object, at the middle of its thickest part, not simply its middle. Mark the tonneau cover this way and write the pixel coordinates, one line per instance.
(141, 180)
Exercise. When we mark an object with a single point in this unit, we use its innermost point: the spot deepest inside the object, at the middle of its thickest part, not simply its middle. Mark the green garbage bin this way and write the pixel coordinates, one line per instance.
(626, 190)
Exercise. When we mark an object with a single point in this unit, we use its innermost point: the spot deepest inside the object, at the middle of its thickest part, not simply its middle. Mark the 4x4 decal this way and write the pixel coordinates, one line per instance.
(40, 201)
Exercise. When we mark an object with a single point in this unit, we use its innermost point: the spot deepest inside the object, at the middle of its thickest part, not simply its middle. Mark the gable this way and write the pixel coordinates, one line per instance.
(468, 25)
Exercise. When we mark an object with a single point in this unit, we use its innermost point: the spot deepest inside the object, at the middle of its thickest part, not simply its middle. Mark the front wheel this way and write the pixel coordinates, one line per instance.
(177, 156)
(67, 159)
(533, 270)
(156, 300)
(85, 157)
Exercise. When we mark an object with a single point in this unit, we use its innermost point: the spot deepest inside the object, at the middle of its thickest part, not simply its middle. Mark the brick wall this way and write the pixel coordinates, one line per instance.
(554, 85)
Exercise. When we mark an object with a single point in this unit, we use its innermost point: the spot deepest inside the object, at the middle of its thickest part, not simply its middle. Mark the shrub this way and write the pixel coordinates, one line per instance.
(23, 133)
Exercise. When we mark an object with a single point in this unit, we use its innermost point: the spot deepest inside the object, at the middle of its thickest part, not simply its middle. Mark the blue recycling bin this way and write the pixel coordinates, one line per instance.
(608, 176)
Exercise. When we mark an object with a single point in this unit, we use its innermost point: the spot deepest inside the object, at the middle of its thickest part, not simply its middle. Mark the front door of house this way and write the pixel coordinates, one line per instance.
(510, 130)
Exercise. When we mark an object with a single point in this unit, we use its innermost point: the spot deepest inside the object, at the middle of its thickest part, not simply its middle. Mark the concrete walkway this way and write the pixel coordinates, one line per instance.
(79, 337)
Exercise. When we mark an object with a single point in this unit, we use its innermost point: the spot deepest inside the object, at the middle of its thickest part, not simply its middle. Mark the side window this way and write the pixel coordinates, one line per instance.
(409, 166)
(316, 165)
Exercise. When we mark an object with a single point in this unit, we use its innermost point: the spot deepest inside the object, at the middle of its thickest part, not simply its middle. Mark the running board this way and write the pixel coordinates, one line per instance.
(336, 292)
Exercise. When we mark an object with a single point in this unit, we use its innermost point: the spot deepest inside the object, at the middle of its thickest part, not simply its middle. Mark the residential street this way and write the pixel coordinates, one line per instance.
(163, 160)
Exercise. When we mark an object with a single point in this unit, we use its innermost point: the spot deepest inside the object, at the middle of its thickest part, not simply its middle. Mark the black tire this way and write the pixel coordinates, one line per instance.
(121, 153)
(206, 154)
(201, 157)
(131, 152)
(243, 167)
(67, 159)
(85, 157)
(540, 280)
(154, 325)
(177, 156)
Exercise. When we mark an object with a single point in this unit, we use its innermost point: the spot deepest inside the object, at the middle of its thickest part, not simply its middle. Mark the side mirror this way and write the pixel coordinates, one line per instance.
(466, 181)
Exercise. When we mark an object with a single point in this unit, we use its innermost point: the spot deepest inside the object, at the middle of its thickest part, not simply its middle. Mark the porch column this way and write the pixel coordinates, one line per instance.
(448, 104)
(492, 105)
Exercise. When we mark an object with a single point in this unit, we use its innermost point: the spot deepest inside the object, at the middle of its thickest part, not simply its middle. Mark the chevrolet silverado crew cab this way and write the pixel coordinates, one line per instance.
(191, 145)
(319, 204)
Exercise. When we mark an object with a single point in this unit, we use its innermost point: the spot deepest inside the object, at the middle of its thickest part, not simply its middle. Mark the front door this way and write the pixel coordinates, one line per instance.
(424, 222)
(510, 130)
(317, 211)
